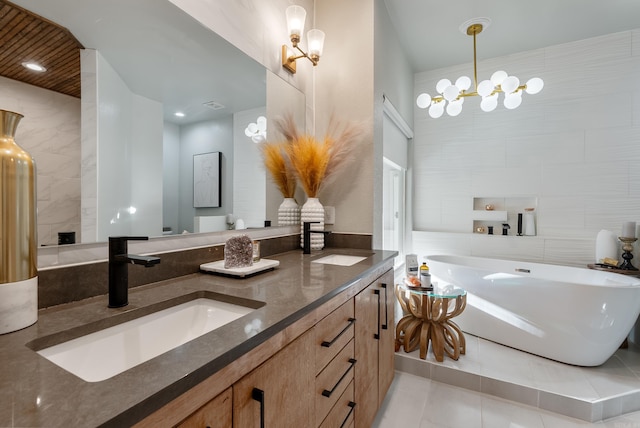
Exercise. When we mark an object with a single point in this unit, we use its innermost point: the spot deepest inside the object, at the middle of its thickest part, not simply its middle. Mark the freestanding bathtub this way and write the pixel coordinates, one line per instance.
(573, 315)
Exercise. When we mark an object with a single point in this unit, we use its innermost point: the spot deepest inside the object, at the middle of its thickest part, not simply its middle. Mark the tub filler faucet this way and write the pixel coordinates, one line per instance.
(119, 270)
(505, 228)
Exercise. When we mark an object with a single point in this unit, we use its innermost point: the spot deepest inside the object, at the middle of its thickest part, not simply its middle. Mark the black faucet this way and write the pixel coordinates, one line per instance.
(306, 235)
(505, 228)
(119, 271)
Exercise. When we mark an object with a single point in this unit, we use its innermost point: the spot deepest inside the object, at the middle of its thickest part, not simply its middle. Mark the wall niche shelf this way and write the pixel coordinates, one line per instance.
(505, 211)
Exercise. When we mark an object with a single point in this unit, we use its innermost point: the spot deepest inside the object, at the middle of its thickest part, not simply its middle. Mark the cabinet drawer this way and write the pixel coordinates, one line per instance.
(332, 333)
(341, 415)
(333, 381)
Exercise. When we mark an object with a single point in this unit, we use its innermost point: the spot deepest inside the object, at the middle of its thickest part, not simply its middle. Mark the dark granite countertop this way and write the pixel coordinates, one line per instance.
(34, 392)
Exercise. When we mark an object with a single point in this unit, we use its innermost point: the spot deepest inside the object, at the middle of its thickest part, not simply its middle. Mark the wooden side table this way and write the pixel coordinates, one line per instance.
(428, 319)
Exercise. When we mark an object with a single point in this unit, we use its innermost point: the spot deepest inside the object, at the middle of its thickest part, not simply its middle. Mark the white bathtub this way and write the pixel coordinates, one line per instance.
(573, 315)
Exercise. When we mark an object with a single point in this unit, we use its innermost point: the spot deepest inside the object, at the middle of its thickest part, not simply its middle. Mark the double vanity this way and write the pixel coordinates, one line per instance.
(307, 344)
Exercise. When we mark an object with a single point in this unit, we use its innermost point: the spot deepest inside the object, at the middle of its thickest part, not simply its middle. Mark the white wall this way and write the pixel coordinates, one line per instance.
(171, 177)
(50, 133)
(198, 138)
(345, 88)
(121, 129)
(146, 166)
(574, 148)
(393, 79)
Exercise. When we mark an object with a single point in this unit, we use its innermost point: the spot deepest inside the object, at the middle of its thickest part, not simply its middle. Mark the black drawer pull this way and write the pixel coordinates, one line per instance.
(328, 344)
(386, 314)
(352, 405)
(327, 393)
(258, 395)
(377, 335)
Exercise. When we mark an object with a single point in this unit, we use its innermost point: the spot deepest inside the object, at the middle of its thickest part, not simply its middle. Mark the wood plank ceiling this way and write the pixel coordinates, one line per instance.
(25, 36)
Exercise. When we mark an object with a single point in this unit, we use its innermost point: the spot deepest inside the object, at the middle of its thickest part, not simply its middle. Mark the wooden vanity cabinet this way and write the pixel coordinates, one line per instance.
(279, 392)
(217, 413)
(334, 373)
(374, 348)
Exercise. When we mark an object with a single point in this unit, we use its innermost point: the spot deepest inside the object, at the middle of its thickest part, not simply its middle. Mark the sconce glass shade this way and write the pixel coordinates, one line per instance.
(510, 84)
(296, 16)
(424, 100)
(315, 42)
(455, 107)
(498, 77)
(436, 110)
(534, 85)
(485, 88)
(442, 85)
(489, 103)
(512, 101)
(451, 93)
(463, 83)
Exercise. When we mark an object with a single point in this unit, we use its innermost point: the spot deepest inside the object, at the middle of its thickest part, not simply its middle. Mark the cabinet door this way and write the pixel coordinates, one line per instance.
(279, 393)
(386, 361)
(366, 342)
(215, 414)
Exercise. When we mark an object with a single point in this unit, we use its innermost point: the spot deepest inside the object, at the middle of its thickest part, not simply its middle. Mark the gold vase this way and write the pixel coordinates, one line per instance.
(18, 240)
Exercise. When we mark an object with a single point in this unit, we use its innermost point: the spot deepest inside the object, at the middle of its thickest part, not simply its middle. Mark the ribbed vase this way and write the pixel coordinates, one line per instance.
(313, 211)
(288, 213)
(18, 240)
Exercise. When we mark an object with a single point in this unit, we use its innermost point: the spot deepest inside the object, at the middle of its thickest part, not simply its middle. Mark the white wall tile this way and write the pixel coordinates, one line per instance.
(50, 133)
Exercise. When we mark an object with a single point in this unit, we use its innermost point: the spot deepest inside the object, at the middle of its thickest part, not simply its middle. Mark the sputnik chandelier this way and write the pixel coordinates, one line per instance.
(489, 90)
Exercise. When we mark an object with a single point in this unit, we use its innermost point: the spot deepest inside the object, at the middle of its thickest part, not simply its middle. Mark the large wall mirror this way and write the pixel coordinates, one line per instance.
(117, 160)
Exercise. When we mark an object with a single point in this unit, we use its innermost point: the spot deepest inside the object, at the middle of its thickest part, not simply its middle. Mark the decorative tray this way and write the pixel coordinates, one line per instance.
(257, 267)
(607, 268)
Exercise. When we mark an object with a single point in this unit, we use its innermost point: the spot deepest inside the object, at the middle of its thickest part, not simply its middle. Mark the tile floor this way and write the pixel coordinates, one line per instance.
(495, 386)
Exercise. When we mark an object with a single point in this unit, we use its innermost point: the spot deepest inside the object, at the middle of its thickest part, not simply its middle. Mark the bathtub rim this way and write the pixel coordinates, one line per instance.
(616, 280)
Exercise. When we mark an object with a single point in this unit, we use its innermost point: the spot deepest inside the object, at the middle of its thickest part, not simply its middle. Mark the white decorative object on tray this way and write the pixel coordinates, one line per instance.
(218, 267)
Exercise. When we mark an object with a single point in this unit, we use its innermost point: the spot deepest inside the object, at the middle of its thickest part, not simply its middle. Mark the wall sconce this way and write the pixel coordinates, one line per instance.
(296, 16)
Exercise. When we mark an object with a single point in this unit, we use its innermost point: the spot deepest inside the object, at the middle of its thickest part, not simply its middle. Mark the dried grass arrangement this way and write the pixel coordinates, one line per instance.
(317, 162)
(277, 163)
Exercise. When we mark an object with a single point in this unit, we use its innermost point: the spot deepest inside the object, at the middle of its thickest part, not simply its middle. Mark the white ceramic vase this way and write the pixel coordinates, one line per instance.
(288, 213)
(313, 211)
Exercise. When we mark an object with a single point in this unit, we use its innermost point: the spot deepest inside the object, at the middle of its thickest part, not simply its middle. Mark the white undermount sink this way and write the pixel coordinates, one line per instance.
(105, 353)
(340, 260)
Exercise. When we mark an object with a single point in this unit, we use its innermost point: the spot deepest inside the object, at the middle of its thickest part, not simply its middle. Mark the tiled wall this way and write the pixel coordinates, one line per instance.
(574, 147)
(50, 132)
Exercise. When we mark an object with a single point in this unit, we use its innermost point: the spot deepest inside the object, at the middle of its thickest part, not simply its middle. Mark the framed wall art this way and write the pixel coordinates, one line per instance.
(207, 180)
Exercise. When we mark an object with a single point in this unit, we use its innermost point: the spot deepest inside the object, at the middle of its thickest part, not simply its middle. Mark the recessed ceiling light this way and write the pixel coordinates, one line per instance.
(34, 66)
(179, 114)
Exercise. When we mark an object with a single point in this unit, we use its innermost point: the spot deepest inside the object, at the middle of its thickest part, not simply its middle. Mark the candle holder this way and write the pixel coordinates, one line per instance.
(627, 247)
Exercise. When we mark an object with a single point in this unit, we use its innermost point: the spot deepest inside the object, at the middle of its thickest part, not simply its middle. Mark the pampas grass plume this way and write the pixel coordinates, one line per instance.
(277, 165)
